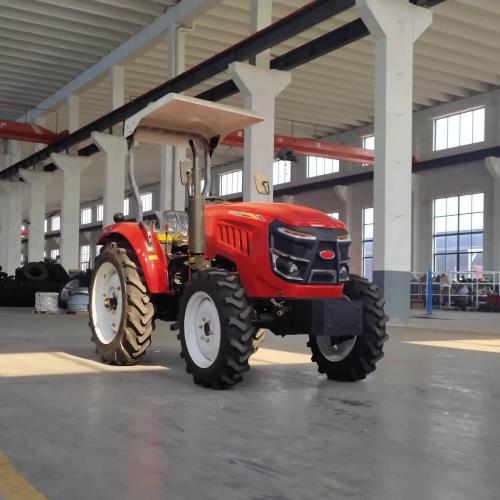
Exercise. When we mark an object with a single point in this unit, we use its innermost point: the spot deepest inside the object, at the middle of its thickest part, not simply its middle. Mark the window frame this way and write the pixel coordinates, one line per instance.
(282, 172)
(147, 199)
(366, 138)
(365, 240)
(438, 143)
(85, 216)
(313, 163)
(99, 212)
(84, 264)
(52, 220)
(456, 235)
(236, 177)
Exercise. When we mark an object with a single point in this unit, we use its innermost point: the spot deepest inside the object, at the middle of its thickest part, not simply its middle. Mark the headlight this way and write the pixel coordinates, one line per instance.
(294, 233)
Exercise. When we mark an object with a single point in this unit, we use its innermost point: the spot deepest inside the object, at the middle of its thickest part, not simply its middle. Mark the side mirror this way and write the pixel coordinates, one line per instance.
(261, 183)
(186, 168)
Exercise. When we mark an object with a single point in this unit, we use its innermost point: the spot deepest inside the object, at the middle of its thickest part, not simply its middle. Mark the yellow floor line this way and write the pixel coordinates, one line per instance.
(13, 486)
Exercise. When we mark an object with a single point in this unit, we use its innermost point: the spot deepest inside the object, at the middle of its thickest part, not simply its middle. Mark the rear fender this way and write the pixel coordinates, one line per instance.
(147, 248)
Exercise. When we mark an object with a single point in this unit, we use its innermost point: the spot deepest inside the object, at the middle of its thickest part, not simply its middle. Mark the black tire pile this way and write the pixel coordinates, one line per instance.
(19, 290)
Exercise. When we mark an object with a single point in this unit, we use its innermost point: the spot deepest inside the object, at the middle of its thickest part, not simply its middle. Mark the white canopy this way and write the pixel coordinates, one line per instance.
(175, 118)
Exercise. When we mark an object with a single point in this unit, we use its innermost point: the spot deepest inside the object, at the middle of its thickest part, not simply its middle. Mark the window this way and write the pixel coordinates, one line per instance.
(459, 129)
(369, 142)
(22, 259)
(334, 215)
(458, 233)
(147, 201)
(367, 248)
(231, 182)
(84, 257)
(281, 171)
(126, 206)
(85, 216)
(98, 250)
(99, 213)
(45, 225)
(55, 223)
(316, 165)
(54, 254)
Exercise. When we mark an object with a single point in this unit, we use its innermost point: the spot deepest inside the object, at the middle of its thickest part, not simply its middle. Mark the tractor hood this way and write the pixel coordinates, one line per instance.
(292, 215)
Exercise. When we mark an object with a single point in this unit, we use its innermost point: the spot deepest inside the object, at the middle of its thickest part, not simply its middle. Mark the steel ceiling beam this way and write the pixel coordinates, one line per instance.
(283, 29)
(183, 13)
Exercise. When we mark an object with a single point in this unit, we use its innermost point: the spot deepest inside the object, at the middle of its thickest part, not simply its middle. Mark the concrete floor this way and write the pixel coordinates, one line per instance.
(424, 426)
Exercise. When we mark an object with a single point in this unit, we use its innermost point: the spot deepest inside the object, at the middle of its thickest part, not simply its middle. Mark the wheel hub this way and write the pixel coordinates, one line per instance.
(111, 302)
(107, 305)
(202, 329)
(336, 349)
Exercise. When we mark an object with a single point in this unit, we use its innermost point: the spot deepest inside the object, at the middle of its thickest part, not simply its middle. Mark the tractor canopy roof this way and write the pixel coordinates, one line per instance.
(175, 118)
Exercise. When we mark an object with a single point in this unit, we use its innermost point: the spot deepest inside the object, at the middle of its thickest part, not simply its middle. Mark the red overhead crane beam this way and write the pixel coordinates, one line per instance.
(29, 132)
(310, 147)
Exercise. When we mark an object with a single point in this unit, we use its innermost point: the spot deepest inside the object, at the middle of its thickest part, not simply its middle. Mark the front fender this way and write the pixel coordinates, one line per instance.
(151, 256)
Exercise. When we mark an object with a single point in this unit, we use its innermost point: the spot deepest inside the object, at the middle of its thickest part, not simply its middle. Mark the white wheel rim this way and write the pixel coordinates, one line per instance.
(335, 352)
(107, 303)
(202, 331)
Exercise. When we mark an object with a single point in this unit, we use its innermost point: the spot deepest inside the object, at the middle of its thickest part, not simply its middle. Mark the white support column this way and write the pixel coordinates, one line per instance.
(116, 151)
(14, 151)
(116, 91)
(172, 192)
(11, 208)
(73, 105)
(395, 25)
(493, 167)
(37, 185)
(260, 88)
(261, 16)
(71, 167)
(116, 87)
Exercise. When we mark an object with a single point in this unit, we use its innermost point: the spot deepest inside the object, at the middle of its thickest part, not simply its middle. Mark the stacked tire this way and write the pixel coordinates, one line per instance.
(19, 290)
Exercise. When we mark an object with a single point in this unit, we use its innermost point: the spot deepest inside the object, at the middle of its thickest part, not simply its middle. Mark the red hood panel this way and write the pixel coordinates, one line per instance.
(292, 215)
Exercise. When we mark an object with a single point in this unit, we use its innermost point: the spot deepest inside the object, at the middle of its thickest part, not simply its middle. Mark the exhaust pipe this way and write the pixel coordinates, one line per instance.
(196, 208)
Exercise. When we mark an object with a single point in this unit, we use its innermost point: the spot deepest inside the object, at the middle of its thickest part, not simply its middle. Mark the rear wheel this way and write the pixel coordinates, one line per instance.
(121, 313)
(353, 358)
(216, 332)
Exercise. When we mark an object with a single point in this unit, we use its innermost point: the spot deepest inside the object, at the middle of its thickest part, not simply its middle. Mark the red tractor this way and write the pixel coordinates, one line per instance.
(225, 272)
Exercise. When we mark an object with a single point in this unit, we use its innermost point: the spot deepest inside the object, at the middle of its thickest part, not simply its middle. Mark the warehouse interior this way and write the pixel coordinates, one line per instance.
(163, 164)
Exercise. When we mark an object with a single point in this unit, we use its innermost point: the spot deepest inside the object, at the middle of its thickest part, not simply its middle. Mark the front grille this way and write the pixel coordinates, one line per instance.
(304, 255)
(234, 237)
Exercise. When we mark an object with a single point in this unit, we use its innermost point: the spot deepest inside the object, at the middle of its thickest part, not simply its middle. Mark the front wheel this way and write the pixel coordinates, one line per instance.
(353, 358)
(216, 332)
(121, 313)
